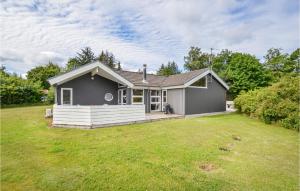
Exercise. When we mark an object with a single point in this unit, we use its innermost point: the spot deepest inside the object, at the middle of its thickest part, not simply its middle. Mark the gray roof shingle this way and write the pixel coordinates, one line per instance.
(159, 81)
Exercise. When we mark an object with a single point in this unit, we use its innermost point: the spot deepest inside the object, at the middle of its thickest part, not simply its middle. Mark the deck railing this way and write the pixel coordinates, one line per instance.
(96, 116)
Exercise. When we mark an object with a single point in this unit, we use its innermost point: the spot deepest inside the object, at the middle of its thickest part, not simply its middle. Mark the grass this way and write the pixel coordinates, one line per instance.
(164, 155)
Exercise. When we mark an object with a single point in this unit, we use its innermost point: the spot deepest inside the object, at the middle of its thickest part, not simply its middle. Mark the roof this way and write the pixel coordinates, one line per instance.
(160, 81)
(181, 79)
(136, 78)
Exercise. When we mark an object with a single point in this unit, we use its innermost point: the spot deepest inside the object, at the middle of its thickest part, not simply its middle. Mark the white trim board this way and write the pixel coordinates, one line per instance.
(62, 96)
(204, 74)
(84, 70)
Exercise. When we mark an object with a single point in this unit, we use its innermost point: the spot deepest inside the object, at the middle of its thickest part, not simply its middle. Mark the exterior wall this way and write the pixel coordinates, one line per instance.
(205, 100)
(97, 116)
(175, 97)
(128, 96)
(90, 92)
(147, 100)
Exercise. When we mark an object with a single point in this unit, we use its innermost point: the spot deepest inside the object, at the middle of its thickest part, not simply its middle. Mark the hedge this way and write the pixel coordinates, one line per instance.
(278, 103)
(15, 90)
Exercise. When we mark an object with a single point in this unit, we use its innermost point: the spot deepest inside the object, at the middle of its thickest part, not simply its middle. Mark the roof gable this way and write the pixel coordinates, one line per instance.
(132, 79)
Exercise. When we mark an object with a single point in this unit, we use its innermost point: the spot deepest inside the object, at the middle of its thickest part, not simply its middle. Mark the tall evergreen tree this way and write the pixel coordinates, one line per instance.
(85, 56)
(108, 58)
(170, 69)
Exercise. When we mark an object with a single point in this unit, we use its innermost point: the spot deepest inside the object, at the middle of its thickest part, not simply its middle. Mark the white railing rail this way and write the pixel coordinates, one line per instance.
(98, 115)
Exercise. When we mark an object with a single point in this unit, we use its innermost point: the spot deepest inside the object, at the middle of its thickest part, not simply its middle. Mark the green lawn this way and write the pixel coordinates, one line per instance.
(164, 155)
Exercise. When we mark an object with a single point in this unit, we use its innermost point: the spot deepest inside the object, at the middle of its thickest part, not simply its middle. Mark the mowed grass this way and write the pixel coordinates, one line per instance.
(164, 155)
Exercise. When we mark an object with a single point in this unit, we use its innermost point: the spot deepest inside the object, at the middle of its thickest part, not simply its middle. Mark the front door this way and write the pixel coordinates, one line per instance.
(155, 100)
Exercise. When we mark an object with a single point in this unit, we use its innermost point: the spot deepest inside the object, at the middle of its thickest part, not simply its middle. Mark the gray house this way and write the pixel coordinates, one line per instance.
(95, 85)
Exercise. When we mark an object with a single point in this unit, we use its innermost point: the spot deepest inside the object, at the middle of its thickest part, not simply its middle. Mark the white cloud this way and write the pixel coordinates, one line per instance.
(138, 32)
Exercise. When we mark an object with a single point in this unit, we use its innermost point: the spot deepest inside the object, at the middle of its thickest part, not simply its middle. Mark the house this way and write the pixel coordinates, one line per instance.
(98, 87)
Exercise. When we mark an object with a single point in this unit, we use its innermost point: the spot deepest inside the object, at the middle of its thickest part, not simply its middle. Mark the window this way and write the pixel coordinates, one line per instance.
(108, 97)
(164, 99)
(122, 96)
(164, 96)
(202, 83)
(137, 96)
(66, 96)
(155, 100)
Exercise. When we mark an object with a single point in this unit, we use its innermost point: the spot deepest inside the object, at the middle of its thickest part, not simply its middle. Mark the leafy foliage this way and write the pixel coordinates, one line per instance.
(169, 69)
(196, 59)
(85, 56)
(42, 73)
(244, 72)
(280, 63)
(109, 59)
(220, 62)
(15, 90)
(276, 103)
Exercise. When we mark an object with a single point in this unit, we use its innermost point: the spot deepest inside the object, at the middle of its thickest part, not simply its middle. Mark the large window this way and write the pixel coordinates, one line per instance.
(202, 83)
(164, 99)
(122, 98)
(66, 96)
(155, 100)
(137, 96)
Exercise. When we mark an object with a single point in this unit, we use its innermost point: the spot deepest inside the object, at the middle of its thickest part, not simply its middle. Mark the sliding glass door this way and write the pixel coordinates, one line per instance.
(155, 100)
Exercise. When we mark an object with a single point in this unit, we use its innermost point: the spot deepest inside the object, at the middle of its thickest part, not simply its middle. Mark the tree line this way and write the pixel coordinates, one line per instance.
(242, 71)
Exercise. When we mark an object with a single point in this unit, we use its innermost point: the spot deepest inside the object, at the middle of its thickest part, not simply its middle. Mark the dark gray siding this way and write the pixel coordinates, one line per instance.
(128, 96)
(90, 92)
(147, 100)
(200, 100)
(175, 97)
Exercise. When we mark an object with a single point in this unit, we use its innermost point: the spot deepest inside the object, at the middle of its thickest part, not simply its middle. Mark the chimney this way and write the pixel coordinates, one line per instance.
(145, 73)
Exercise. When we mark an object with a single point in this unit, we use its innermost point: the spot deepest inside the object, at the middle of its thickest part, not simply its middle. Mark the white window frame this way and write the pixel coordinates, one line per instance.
(122, 96)
(162, 99)
(159, 102)
(137, 96)
(62, 96)
(203, 87)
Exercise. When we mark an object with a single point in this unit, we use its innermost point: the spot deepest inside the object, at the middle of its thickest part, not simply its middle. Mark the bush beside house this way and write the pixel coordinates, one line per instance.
(276, 103)
(15, 90)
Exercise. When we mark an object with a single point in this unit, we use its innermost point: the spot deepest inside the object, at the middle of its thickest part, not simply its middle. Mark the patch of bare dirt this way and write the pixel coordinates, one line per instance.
(236, 138)
(226, 148)
(208, 167)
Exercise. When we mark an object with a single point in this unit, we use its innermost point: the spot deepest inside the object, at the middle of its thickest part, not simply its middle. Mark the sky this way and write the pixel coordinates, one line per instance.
(142, 32)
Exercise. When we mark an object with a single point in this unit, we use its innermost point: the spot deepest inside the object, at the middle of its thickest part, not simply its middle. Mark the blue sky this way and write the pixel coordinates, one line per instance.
(142, 32)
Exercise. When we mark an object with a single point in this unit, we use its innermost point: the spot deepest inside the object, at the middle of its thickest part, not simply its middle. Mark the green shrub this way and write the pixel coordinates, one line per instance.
(276, 103)
(15, 90)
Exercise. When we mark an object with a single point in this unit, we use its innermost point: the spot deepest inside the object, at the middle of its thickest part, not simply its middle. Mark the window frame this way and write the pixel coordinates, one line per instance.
(159, 96)
(203, 87)
(62, 96)
(137, 96)
(121, 96)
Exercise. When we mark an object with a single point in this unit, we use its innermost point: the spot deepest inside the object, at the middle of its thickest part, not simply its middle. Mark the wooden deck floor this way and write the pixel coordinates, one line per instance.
(160, 116)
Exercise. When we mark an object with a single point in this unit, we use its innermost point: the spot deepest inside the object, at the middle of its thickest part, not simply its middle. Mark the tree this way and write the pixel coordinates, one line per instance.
(43, 73)
(244, 72)
(276, 61)
(72, 64)
(119, 65)
(294, 58)
(196, 59)
(220, 62)
(170, 69)
(108, 59)
(85, 56)
(16, 90)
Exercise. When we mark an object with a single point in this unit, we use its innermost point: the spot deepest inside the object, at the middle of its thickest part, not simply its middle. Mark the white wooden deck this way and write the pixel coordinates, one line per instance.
(88, 117)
